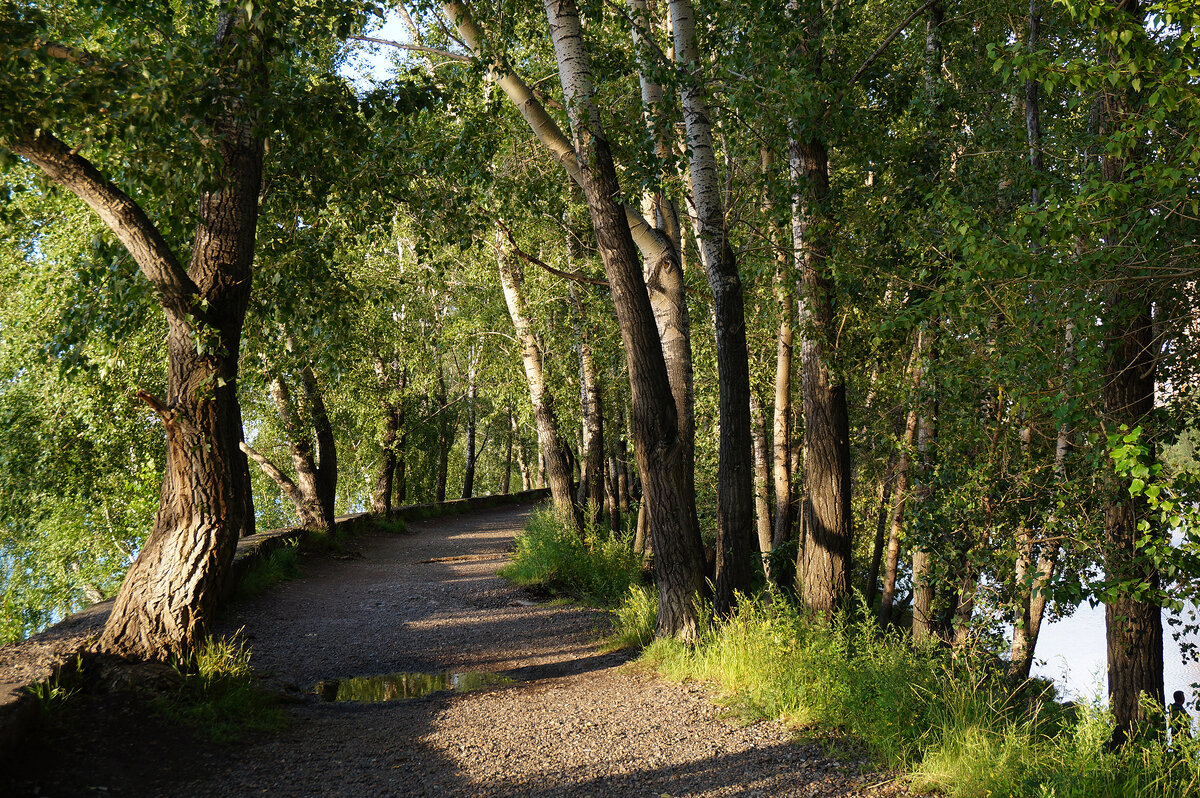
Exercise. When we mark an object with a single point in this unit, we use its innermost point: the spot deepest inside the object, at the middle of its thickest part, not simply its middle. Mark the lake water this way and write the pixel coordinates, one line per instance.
(1071, 651)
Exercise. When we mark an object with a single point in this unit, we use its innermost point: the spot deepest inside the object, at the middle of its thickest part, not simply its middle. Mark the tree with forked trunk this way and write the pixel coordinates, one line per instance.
(172, 590)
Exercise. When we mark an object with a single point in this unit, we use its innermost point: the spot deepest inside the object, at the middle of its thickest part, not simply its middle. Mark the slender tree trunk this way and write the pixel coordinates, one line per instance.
(326, 452)
(445, 439)
(592, 398)
(887, 483)
(506, 484)
(903, 476)
(613, 490)
(735, 470)
(781, 421)
(924, 624)
(762, 491)
(558, 470)
(469, 472)
(522, 463)
(678, 560)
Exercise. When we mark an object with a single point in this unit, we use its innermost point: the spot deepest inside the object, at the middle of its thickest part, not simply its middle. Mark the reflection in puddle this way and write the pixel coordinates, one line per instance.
(401, 686)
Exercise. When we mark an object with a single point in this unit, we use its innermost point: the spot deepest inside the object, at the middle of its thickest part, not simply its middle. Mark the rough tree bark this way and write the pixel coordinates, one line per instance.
(1134, 626)
(172, 590)
(678, 561)
(735, 470)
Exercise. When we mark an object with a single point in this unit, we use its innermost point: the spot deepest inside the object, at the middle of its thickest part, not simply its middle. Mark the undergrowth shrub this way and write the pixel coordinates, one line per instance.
(951, 720)
(599, 568)
(218, 696)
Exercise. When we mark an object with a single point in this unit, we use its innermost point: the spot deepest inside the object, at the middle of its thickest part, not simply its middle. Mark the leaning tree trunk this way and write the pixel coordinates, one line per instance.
(172, 590)
(678, 561)
(663, 277)
(558, 470)
(663, 265)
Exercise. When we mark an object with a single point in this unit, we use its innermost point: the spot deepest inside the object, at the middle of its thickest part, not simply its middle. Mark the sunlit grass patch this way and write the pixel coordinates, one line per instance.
(599, 568)
(950, 720)
(219, 697)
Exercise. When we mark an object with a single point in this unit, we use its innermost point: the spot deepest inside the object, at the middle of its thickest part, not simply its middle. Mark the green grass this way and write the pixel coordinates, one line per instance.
(280, 565)
(219, 697)
(598, 568)
(952, 722)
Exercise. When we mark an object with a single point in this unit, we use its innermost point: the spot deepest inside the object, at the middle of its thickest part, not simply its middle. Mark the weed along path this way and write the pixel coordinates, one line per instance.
(507, 697)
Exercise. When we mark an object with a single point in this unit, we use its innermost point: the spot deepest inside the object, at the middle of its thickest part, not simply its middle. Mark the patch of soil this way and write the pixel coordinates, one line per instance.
(574, 723)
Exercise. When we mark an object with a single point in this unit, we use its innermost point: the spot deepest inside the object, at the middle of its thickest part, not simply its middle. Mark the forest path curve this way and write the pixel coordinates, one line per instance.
(574, 722)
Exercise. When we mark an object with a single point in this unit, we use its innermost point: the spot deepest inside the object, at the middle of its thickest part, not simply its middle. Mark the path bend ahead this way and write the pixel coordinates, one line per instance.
(574, 723)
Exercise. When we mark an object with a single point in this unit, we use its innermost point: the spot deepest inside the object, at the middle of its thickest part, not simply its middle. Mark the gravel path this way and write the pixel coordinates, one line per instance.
(575, 721)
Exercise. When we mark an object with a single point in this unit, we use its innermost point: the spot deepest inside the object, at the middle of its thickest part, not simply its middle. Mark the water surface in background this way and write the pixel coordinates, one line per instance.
(1071, 651)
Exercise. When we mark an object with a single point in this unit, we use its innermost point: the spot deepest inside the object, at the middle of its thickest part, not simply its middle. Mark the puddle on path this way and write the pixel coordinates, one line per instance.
(402, 686)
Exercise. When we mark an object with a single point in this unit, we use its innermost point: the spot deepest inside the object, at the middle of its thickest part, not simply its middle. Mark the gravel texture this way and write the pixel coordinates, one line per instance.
(575, 722)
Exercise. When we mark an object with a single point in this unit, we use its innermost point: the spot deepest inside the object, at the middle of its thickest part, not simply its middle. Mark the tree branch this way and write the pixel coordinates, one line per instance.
(117, 210)
(578, 277)
(420, 48)
(277, 476)
(891, 37)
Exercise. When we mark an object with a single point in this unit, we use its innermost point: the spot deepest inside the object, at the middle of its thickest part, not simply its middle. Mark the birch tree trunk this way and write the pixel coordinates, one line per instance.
(558, 470)
(735, 470)
(678, 559)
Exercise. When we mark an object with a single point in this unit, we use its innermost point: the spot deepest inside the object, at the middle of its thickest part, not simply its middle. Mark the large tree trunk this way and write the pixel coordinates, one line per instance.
(823, 568)
(1134, 626)
(678, 560)
(172, 590)
(735, 470)
(663, 267)
(558, 469)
